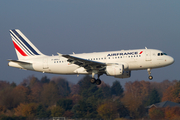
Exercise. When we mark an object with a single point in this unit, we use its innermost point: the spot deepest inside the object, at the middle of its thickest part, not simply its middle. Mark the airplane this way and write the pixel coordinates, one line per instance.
(118, 64)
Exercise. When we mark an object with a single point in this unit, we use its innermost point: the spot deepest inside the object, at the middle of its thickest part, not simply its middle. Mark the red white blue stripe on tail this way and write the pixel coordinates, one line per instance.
(22, 45)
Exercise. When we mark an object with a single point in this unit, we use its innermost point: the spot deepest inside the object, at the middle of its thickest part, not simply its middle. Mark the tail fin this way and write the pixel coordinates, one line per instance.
(24, 48)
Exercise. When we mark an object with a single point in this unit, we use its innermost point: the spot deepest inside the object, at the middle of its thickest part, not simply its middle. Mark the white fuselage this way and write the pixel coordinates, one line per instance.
(137, 59)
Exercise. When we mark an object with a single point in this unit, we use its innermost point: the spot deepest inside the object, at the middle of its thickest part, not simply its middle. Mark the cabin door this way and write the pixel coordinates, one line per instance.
(148, 55)
(45, 63)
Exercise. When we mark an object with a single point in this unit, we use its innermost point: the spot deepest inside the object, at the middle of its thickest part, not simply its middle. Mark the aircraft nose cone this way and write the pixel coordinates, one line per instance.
(171, 60)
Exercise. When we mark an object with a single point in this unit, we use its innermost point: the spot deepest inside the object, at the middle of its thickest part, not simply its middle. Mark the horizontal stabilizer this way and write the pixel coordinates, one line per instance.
(20, 62)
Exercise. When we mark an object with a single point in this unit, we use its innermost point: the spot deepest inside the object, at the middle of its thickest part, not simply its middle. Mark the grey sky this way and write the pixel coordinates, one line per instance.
(80, 26)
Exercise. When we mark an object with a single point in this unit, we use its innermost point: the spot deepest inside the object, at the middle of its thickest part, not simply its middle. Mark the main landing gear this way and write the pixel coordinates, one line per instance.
(149, 72)
(97, 81)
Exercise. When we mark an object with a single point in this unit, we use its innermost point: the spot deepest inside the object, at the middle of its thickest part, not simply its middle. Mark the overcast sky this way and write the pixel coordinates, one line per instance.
(80, 26)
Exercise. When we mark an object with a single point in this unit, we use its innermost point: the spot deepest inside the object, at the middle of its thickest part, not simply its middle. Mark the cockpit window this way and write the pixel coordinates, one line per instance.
(161, 54)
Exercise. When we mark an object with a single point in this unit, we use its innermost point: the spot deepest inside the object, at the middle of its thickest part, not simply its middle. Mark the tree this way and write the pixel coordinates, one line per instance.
(134, 96)
(162, 86)
(45, 80)
(117, 89)
(7, 98)
(50, 94)
(33, 80)
(66, 104)
(57, 111)
(22, 93)
(12, 97)
(26, 110)
(75, 89)
(84, 84)
(76, 98)
(153, 97)
(2, 109)
(121, 109)
(3, 85)
(13, 84)
(84, 110)
(107, 110)
(106, 90)
(41, 112)
(63, 86)
(172, 93)
(68, 114)
(133, 104)
(35, 93)
(29, 81)
(78, 111)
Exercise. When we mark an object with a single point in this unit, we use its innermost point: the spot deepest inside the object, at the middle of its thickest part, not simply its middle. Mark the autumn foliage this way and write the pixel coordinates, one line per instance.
(172, 93)
(107, 110)
(168, 113)
(56, 97)
(26, 110)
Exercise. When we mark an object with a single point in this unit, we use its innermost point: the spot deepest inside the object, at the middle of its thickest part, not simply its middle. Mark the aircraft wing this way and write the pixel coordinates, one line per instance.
(89, 65)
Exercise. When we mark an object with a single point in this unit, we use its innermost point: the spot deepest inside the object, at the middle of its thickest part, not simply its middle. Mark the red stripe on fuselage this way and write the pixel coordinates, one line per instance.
(19, 49)
(141, 52)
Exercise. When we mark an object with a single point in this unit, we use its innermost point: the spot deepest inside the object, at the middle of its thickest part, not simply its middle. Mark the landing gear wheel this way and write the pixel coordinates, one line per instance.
(150, 77)
(93, 80)
(98, 82)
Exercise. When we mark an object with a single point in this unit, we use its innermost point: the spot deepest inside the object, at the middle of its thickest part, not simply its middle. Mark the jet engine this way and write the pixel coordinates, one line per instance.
(114, 70)
(117, 71)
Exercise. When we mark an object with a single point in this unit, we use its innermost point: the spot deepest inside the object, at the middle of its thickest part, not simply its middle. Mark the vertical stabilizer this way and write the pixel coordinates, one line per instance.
(23, 47)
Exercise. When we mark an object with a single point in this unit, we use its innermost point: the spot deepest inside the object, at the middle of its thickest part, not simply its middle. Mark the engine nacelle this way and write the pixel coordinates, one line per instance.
(114, 70)
(126, 74)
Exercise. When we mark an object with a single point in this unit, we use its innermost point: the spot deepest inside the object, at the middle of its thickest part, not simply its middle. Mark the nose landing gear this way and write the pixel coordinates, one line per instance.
(150, 77)
(149, 72)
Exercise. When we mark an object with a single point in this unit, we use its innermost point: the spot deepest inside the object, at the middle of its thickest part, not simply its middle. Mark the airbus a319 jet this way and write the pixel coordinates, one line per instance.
(118, 64)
